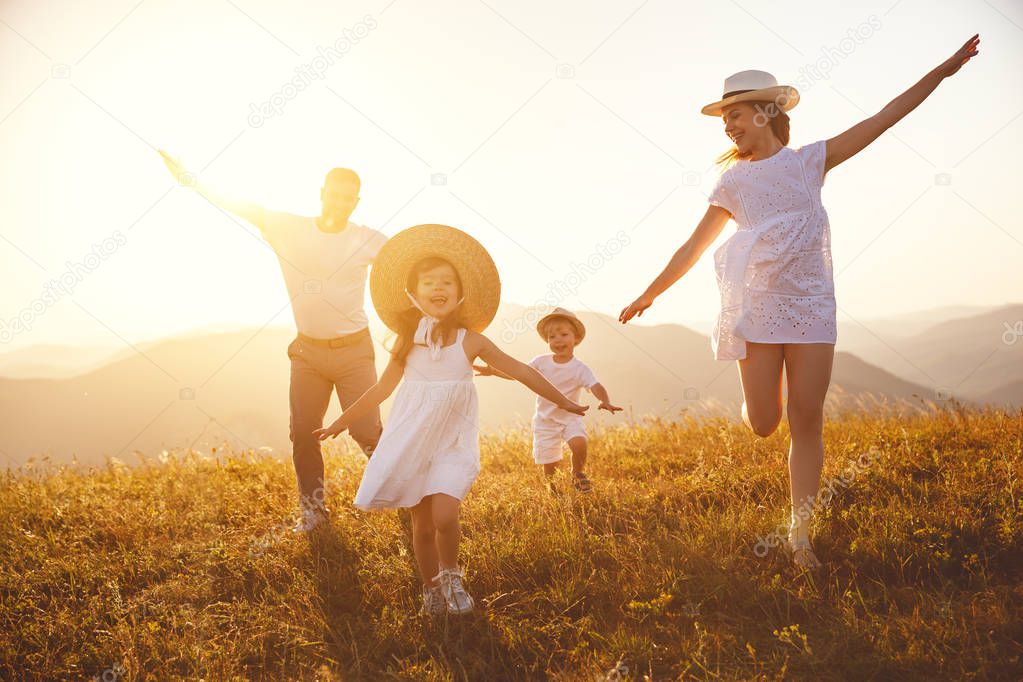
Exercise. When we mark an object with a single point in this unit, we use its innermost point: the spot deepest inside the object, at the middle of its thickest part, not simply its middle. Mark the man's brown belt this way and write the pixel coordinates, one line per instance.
(338, 342)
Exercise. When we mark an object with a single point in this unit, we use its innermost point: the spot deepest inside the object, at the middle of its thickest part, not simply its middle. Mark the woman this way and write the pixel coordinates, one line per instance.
(775, 275)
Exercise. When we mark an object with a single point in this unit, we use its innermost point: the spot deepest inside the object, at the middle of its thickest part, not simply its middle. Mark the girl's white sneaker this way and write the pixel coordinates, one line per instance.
(433, 602)
(802, 555)
(311, 520)
(457, 600)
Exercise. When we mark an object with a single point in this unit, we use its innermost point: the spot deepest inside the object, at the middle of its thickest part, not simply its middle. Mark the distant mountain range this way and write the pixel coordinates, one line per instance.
(976, 357)
(51, 361)
(204, 389)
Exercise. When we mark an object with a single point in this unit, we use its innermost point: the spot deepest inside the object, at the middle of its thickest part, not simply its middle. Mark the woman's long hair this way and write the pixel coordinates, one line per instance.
(409, 321)
(777, 119)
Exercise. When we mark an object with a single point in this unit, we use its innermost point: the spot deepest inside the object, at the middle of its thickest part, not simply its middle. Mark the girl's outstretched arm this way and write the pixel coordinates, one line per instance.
(852, 141)
(522, 372)
(375, 395)
(488, 371)
(714, 220)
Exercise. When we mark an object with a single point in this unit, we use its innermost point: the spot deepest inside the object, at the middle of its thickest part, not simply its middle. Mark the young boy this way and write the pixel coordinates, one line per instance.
(552, 426)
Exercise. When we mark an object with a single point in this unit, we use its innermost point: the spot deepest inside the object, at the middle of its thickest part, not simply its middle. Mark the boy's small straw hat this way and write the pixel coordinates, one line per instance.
(481, 285)
(753, 86)
(561, 314)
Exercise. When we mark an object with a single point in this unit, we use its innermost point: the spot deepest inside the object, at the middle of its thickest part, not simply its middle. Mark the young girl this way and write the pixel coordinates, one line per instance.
(437, 288)
(775, 275)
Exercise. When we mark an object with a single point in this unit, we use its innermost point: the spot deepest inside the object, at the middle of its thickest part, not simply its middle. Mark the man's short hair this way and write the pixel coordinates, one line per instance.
(346, 176)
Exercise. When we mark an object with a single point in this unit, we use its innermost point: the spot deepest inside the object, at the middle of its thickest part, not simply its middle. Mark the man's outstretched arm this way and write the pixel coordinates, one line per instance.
(249, 211)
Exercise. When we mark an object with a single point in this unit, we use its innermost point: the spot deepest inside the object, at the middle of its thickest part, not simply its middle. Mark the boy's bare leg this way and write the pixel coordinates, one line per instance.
(578, 447)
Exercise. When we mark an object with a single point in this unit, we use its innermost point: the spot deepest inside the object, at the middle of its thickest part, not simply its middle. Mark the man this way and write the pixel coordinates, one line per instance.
(324, 261)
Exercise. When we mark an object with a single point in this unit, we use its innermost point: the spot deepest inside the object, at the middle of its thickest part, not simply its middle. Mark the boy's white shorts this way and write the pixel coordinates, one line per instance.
(549, 437)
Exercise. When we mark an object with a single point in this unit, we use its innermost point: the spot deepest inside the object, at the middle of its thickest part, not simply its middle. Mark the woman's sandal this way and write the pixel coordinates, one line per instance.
(802, 555)
(581, 483)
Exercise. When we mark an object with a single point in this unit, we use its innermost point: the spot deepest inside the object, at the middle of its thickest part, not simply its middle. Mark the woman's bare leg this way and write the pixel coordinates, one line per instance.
(424, 540)
(760, 374)
(808, 372)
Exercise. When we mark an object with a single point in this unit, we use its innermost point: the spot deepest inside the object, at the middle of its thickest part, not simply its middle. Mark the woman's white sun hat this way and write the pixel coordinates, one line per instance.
(753, 86)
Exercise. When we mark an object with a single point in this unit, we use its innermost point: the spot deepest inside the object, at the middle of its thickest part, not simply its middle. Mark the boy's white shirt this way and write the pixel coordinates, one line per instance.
(569, 378)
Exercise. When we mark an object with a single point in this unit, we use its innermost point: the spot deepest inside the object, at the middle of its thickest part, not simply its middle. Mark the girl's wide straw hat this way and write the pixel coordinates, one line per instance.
(481, 285)
(753, 86)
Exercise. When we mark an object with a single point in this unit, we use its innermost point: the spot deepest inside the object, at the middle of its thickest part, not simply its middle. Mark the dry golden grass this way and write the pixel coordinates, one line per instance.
(181, 569)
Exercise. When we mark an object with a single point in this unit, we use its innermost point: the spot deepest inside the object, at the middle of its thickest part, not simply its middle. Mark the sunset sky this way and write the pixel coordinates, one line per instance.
(544, 129)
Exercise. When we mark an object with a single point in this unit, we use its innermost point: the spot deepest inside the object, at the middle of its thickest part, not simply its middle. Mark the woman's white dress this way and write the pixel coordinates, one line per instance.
(430, 443)
(775, 272)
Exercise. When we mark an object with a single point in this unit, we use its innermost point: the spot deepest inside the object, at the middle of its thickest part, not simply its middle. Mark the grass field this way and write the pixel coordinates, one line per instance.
(181, 567)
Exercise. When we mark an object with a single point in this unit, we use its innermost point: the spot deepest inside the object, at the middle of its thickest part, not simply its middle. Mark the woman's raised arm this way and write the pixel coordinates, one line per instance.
(854, 140)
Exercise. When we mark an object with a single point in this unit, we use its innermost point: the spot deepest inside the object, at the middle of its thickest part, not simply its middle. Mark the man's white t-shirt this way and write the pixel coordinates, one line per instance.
(325, 272)
(569, 378)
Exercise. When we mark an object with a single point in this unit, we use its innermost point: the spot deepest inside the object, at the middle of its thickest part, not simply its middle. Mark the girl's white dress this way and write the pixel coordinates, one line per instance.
(430, 443)
(775, 272)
